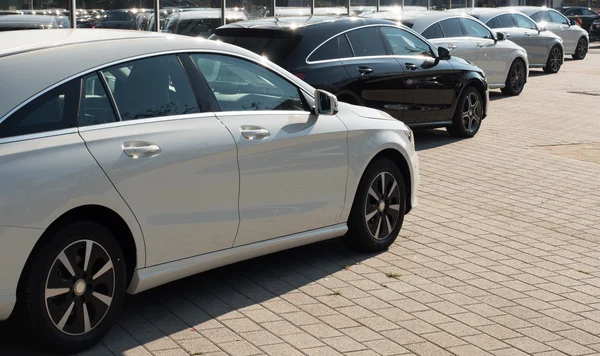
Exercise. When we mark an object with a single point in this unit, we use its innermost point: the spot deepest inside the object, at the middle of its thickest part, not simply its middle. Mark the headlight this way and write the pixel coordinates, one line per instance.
(409, 134)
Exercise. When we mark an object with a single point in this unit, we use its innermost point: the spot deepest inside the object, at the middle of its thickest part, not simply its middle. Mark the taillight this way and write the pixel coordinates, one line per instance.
(300, 75)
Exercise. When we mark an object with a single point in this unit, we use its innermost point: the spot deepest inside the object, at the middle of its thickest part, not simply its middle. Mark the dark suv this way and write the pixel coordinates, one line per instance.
(374, 63)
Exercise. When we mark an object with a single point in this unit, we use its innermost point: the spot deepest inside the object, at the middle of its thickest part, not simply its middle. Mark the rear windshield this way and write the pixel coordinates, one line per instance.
(407, 24)
(275, 46)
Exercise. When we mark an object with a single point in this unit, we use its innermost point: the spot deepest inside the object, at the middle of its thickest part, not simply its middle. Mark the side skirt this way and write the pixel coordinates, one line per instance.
(150, 277)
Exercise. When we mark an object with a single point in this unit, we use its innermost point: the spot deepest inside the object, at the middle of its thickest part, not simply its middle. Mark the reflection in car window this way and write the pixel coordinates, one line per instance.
(337, 47)
(557, 18)
(240, 85)
(151, 87)
(53, 110)
(540, 16)
(524, 22)
(505, 21)
(95, 107)
(405, 43)
(434, 31)
(366, 42)
(452, 28)
(475, 29)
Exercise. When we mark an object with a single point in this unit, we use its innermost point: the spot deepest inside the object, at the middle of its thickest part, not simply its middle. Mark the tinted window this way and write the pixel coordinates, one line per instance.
(337, 47)
(151, 87)
(405, 43)
(452, 28)
(540, 16)
(193, 27)
(588, 12)
(267, 44)
(557, 18)
(366, 42)
(408, 24)
(53, 110)
(524, 22)
(493, 23)
(434, 31)
(240, 85)
(475, 29)
(505, 21)
(95, 107)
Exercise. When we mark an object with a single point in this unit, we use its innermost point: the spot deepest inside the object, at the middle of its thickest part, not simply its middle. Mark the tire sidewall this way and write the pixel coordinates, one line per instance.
(458, 128)
(509, 90)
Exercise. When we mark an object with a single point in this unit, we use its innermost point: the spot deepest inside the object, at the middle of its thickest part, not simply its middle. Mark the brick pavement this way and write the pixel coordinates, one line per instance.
(502, 257)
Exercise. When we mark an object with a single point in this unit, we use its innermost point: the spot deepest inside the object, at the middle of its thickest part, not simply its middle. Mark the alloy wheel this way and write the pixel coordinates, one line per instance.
(517, 79)
(582, 48)
(555, 59)
(80, 287)
(472, 111)
(382, 208)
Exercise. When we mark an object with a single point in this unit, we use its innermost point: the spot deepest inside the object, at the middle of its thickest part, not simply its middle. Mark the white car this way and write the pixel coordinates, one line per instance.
(576, 40)
(142, 158)
(504, 62)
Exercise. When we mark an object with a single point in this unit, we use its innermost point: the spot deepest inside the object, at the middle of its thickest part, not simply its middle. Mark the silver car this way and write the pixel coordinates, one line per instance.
(544, 48)
(575, 39)
(142, 158)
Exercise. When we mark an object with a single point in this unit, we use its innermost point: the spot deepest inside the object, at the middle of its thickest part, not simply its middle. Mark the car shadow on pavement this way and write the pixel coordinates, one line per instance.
(181, 309)
(426, 139)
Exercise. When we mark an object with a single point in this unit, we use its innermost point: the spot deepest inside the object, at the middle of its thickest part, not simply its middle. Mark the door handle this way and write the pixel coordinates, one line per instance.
(255, 132)
(410, 66)
(137, 149)
(452, 46)
(480, 45)
(365, 70)
(527, 34)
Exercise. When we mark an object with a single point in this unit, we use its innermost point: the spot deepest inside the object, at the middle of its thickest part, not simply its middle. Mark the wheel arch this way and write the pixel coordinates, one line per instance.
(395, 156)
(480, 86)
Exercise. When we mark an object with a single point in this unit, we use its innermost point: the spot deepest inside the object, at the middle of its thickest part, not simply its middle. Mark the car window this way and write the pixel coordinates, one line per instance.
(541, 16)
(452, 28)
(151, 87)
(433, 31)
(524, 22)
(366, 42)
(573, 12)
(337, 47)
(240, 85)
(54, 110)
(405, 43)
(557, 18)
(95, 107)
(475, 29)
(505, 21)
(588, 12)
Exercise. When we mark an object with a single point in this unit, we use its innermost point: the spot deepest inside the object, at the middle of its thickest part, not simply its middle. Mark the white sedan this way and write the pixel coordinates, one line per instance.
(142, 158)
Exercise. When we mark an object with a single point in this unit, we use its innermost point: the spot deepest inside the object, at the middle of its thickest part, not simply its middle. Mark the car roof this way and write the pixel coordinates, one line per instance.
(530, 10)
(23, 55)
(419, 20)
(298, 22)
(41, 19)
(484, 14)
(208, 13)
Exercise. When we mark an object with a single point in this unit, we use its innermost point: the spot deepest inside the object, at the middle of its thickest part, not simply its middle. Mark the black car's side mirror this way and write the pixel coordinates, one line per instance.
(444, 53)
(500, 36)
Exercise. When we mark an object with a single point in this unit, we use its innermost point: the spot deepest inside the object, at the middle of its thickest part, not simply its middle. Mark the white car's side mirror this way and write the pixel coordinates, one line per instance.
(325, 103)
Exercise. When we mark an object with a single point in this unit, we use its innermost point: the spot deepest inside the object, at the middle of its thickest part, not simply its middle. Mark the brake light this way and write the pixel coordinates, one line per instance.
(300, 75)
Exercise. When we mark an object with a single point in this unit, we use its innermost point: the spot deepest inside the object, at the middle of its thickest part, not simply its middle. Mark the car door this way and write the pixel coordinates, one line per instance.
(492, 58)
(561, 26)
(456, 40)
(429, 83)
(172, 161)
(293, 164)
(529, 35)
(376, 76)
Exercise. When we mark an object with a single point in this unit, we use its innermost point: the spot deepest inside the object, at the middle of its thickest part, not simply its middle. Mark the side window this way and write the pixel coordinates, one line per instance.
(493, 23)
(505, 21)
(588, 12)
(452, 28)
(524, 22)
(95, 107)
(366, 42)
(475, 29)
(405, 43)
(53, 110)
(433, 31)
(558, 18)
(540, 17)
(151, 87)
(240, 85)
(337, 47)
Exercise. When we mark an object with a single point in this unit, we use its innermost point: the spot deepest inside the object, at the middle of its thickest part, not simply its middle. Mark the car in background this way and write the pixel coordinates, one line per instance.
(575, 39)
(28, 22)
(544, 48)
(200, 22)
(373, 63)
(584, 16)
(124, 19)
(257, 160)
(595, 31)
(504, 62)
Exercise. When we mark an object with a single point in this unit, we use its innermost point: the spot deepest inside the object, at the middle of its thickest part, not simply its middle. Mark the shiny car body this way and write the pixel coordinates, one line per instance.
(157, 146)
(595, 31)
(364, 61)
(465, 37)
(200, 22)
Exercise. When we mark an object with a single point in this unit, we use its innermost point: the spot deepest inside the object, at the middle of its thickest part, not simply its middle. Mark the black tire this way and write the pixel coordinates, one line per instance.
(581, 49)
(468, 115)
(363, 234)
(86, 316)
(554, 61)
(515, 80)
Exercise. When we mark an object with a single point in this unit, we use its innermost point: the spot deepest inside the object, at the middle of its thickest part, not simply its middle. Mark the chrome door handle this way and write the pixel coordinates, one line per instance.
(137, 149)
(365, 70)
(480, 45)
(452, 46)
(255, 132)
(527, 34)
(410, 66)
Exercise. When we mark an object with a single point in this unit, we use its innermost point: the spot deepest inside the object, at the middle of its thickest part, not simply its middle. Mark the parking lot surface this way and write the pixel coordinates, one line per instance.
(501, 257)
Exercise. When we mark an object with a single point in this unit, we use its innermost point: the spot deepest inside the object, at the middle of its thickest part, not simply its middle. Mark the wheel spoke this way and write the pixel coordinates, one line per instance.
(65, 261)
(378, 227)
(63, 321)
(373, 194)
(395, 207)
(394, 184)
(103, 298)
(389, 224)
(88, 252)
(470, 124)
(370, 215)
(107, 267)
(86, 319)
(54, 292)
(382, 184)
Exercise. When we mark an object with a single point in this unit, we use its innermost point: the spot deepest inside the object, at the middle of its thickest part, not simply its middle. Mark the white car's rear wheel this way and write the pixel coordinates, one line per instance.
(73, 288)
(555, 60)
(582, 49)
(515, 81)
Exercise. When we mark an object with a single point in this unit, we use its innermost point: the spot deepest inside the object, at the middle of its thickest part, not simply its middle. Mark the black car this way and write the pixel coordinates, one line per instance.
(583, 16)
(374, 63)
(595, 31)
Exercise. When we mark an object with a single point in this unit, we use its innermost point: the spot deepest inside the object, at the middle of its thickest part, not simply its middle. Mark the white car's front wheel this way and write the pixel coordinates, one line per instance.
(73, 288)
